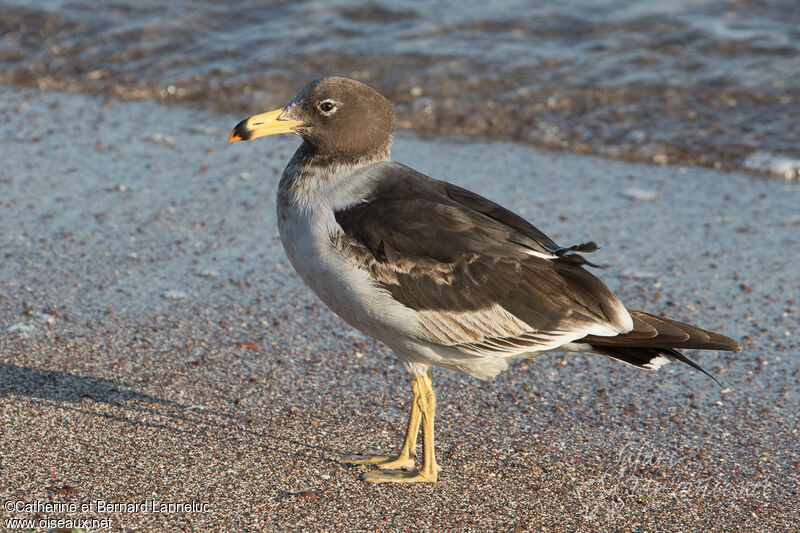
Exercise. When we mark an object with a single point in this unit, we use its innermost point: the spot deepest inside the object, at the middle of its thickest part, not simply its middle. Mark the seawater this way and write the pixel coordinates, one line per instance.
(714, 83)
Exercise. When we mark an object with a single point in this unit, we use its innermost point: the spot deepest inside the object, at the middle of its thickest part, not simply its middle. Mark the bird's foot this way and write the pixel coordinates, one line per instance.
(386, 462)
(402, 476)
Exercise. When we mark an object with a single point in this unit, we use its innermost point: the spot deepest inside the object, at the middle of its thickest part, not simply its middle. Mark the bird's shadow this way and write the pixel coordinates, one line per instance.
(75, 393)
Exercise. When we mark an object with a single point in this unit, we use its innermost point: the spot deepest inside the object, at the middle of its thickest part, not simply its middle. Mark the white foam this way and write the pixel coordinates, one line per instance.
(778, 165)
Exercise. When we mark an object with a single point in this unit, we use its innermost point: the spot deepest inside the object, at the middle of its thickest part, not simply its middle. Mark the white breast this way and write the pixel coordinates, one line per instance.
(306, 232)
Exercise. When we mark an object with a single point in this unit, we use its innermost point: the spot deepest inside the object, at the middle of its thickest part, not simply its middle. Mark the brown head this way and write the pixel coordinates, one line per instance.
(336, 117)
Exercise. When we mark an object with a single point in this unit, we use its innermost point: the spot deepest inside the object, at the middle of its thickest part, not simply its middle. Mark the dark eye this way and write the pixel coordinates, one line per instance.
(326, 106)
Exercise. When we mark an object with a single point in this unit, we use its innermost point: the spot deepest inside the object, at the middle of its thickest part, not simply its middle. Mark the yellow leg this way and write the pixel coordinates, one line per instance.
(427, 407)
(405, 459)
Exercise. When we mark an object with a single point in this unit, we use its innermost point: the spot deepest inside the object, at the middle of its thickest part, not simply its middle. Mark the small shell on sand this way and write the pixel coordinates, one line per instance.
(640, 194)
(637, 274)
(20, 328)
(175, 295)
(161, 139)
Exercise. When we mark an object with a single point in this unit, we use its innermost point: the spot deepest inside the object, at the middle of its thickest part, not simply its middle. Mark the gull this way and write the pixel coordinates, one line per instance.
(441, 275)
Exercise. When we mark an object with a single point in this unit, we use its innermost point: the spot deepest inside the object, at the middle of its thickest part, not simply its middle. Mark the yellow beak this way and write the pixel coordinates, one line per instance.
(262, 125)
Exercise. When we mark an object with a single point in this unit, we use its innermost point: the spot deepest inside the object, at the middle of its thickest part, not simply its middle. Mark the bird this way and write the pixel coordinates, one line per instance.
(442, 276)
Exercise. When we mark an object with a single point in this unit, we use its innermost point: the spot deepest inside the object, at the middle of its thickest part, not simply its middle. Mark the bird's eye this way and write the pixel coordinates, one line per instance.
(327, 106)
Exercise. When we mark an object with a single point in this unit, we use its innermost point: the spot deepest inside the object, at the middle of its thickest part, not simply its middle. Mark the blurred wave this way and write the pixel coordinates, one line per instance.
(714, 83)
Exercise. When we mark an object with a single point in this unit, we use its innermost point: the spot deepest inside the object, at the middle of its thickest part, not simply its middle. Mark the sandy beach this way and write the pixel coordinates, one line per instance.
(162, 367)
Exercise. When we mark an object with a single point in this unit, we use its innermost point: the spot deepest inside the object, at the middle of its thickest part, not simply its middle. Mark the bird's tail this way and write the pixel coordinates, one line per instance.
(654, 340)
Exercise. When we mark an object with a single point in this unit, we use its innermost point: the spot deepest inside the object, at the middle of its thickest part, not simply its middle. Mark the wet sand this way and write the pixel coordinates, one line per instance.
(156, 346)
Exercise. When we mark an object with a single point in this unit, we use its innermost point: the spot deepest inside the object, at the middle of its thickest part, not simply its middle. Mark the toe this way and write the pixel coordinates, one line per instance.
(399, 476)
(356, 459)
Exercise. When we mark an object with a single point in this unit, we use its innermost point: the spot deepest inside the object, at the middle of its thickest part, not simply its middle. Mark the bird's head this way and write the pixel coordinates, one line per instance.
(336, 117)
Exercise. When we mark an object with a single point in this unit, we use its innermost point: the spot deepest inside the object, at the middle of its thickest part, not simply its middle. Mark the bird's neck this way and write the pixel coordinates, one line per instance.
(310, 175)
(324, 163)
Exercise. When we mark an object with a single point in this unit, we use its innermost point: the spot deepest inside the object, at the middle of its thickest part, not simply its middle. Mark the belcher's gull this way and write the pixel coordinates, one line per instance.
(441, 275)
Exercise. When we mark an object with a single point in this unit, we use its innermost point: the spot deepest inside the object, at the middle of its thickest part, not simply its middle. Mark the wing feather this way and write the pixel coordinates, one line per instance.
(482, 279)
